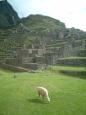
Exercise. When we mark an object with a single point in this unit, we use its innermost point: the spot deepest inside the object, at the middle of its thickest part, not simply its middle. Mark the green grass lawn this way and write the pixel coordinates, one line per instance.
(18, 95)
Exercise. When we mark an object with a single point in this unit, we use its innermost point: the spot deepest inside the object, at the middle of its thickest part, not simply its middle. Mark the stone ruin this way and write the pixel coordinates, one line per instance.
(34, 58)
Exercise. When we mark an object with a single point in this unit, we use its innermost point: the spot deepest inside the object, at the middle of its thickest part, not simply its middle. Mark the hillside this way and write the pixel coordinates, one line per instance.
(8, 16)
(39, 40)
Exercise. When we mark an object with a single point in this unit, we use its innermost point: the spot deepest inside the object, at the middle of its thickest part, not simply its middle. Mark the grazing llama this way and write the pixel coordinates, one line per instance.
(43, 92)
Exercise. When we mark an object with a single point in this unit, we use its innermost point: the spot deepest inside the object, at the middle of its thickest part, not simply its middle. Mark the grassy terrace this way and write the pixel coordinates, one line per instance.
(18, 94)
(73, 58)
(79, 72)
(57, 44)
(72, 61)
(68, 68)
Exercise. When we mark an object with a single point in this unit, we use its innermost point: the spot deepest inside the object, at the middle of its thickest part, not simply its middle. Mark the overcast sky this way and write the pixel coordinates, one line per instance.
(71, 12)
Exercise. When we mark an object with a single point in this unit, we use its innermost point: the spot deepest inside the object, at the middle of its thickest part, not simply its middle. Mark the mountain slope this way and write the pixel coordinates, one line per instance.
(8, 17)
(42, 22)
(42, 40)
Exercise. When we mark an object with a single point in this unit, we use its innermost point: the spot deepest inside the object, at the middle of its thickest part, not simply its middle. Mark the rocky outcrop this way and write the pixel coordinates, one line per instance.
(8, 16)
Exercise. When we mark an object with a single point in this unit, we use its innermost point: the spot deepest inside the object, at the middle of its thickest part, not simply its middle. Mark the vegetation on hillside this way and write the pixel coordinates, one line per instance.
(8, 17)
(38, 32)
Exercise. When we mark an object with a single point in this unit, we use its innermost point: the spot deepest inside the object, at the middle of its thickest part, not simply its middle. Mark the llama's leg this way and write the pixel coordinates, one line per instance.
(39, 94)
(43, 98)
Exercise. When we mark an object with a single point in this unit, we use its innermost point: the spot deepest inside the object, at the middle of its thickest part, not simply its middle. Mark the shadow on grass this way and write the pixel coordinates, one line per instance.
(35, 101)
